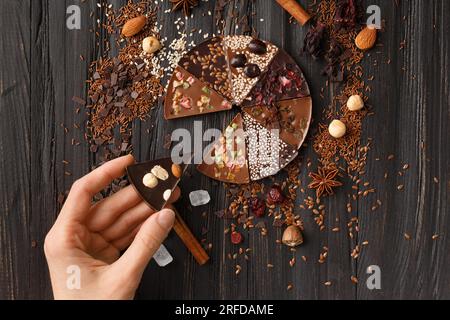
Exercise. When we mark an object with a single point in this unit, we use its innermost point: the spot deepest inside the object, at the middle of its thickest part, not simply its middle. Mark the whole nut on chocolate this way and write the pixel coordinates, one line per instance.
(292, 236)
(151, 45)
(355, 103)
(160, 173)
(167, 194)
(150, 181)
(337, 129)
(176, 170)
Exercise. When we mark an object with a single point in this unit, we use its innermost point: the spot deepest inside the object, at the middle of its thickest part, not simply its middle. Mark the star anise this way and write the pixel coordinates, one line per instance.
(324, 181)
(185, 5)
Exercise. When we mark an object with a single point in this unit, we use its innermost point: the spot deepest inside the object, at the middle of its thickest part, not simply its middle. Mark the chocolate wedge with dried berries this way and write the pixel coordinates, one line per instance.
(227, 159)
(267, 153)
(248, 58)
(291, 117)
(188, 96)
(207, 62)
(155, 180)
(283, 80)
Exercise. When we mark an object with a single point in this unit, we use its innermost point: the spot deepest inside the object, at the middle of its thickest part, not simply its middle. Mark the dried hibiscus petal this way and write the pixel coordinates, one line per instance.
(313, 43)
(346, 12)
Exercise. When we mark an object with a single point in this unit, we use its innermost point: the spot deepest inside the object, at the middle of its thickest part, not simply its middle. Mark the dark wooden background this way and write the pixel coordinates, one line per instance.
(41, 71)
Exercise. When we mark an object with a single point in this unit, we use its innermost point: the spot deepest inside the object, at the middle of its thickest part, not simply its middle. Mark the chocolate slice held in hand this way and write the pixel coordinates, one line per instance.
(155, 195)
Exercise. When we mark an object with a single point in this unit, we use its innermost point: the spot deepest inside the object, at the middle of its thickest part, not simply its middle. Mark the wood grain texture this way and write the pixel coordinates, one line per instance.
(41, 70)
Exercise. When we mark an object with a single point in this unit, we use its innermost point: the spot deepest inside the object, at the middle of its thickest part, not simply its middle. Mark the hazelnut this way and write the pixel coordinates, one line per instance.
(355, 103)
(160, 173)
(167, 194)
(292, 236)
(337, 129)
(151, 45)
(150, 181)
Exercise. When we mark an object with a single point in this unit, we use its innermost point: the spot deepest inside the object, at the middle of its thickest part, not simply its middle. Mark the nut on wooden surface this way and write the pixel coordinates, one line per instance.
(151, 44)
(134, 26)
(292, 236)
(337, 129)
(366, 38)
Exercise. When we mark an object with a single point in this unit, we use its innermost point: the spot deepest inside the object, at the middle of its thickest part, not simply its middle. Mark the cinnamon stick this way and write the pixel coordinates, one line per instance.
(296, 10)
(189, 240)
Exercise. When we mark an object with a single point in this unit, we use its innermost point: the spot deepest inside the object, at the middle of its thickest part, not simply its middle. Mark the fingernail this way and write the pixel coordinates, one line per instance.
(166, 218)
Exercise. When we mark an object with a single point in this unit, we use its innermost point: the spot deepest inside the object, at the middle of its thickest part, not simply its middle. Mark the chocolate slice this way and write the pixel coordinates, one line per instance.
(208, 63)
(258, 55)
(227, 159)
(291, 117)
(155, 195)
(188, 96)
(267, 153)
(283, 80)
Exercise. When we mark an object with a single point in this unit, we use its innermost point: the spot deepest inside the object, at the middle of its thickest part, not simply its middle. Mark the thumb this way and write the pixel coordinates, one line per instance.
(147, 241)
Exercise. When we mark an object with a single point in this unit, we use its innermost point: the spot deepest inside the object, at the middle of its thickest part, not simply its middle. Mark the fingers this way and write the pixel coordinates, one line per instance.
(83, 190)
(146, 243)
(106, 212)
(117, 223)
(123, 243)
(127, 222)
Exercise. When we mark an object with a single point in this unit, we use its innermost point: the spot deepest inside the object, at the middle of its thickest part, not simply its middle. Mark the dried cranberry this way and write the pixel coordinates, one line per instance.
(258, 207)
(275, 195)
(236, 237)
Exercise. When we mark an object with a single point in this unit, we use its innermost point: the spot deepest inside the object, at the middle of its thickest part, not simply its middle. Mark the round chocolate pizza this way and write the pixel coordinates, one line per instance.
(268, 87)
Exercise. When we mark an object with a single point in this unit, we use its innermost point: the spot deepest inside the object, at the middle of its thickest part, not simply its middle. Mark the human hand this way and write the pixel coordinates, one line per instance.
(90, 237)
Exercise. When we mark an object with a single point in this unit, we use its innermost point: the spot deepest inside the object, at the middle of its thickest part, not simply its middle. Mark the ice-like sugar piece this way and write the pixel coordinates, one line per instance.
(199, 198)
(162, 256)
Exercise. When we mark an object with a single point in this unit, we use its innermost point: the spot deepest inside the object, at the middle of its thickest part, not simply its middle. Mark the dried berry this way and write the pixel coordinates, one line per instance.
(257, 206)
(236, 237)
(275, 195)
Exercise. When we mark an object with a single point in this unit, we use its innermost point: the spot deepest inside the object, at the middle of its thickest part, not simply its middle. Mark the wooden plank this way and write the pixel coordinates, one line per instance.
(15, 243)
(412, 108)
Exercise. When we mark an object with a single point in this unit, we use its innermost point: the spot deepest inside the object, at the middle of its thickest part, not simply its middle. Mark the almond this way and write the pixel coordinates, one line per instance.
(176, 171)
(134, 26)
(367, 38)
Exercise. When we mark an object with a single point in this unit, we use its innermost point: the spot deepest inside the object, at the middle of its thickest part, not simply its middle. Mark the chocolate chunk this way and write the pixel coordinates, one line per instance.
(257, 46)
(252, 70)
(239, 61)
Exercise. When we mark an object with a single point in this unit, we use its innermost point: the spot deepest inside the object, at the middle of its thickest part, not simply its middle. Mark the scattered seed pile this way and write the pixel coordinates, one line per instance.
(122, 88)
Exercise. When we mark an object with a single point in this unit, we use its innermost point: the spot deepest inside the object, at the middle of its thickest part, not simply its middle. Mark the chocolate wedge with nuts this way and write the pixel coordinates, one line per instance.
(155, 180)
